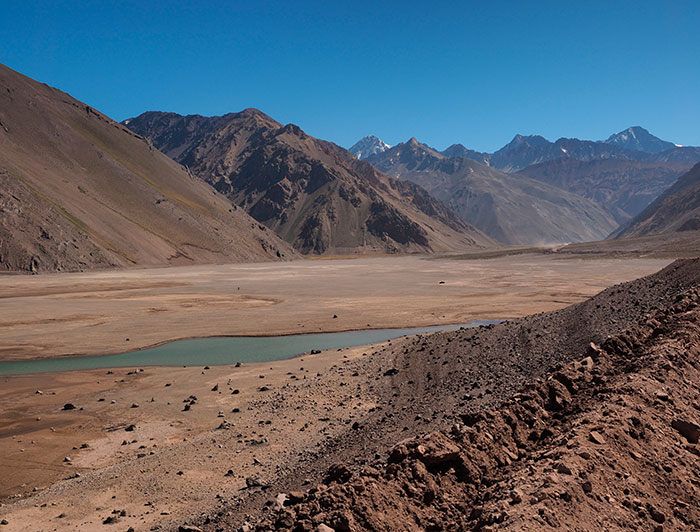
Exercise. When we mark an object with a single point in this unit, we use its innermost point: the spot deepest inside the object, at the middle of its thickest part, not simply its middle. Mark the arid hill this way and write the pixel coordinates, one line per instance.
(582, 419)
(676, 210)
(624, 188)
(512, 210)
(314, 194)
(81, 191)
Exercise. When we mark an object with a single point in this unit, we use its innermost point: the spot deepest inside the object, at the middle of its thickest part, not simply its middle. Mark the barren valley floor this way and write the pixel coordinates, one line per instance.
(121, 310)
(262, 422)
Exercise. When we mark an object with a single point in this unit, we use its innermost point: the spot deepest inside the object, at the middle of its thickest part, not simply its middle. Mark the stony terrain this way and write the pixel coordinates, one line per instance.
(288, 423)
(314, 194)
(80, 191)
(202, 454)
(604, 438)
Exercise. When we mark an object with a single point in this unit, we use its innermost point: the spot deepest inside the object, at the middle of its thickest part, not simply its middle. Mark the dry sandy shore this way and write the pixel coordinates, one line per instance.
(95, 313)
(175, 463)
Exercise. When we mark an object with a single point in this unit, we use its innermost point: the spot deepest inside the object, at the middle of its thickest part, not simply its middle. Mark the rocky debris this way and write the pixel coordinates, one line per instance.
(690, 431)
(188, 528)
(69, 406)
(337, 473)
(255, 482)
(596, 437)
(586, 447)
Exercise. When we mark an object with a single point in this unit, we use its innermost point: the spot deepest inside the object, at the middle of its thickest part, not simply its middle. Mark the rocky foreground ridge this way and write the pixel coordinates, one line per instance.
(608, 441)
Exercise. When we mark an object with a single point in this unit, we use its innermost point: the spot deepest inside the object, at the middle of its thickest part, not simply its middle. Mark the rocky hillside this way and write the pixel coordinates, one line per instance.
(623, 188)
(513, 210)
(599, 434)
(81, 191)
(314, 194)
(676, 210)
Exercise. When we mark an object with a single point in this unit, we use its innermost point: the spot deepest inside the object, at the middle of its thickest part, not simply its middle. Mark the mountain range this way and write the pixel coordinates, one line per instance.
(633, 144)
(81, 191)
(314, 194)
(622, 174)
(511, 209)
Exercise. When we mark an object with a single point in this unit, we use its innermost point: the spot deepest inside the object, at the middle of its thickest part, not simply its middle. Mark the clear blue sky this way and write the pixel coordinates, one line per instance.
(444, 72)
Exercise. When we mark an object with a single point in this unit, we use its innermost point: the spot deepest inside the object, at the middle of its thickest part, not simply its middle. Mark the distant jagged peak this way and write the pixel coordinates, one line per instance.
(368, 145)
(414, 144)
(639, 139)
(530, 140)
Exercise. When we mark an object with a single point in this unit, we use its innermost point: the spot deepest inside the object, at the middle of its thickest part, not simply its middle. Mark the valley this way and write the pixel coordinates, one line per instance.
(220, 311)
(162, 475)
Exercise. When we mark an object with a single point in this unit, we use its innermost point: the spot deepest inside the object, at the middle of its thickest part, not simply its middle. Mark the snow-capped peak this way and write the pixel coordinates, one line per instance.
(367, 146)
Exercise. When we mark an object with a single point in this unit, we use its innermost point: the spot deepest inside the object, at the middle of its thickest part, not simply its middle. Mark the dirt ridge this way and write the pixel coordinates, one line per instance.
(558, 454)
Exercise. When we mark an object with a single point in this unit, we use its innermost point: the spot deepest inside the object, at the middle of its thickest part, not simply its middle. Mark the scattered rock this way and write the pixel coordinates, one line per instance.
(564, 469)
(337, 473)
(690, 431)
(516, 496)
(596, 437)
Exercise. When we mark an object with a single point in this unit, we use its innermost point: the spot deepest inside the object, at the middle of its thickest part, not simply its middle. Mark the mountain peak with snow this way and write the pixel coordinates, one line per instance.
(639, 139)
(367, 146)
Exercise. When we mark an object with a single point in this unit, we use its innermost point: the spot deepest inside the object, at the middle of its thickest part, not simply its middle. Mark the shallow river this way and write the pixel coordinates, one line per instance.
(219, 351)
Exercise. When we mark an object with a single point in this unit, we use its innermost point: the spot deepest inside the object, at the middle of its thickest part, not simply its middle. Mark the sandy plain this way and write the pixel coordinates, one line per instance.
(96, 312)
(175, 462)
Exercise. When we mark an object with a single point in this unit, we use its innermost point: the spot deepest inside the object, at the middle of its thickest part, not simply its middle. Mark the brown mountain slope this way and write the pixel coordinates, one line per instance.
(81, 191)
(314, 194)
(624, 188)
(677, 209)
(511, 209)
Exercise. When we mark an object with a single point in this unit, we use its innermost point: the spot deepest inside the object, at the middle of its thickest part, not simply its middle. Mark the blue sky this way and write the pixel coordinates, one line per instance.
(444, 72)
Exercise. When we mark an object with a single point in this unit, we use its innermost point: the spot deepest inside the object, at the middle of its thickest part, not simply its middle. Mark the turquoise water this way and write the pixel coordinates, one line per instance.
(219, 351)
